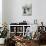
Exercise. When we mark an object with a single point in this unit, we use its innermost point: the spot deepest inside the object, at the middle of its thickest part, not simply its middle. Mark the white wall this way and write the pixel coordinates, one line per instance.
(39, 10)
(13, 11)
(4, 11)
(16, 10)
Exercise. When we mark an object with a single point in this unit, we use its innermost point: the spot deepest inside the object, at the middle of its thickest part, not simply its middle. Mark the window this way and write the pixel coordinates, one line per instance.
(0, 13)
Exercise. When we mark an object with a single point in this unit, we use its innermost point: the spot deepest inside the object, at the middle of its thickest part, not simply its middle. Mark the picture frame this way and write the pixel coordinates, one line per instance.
(27, 10)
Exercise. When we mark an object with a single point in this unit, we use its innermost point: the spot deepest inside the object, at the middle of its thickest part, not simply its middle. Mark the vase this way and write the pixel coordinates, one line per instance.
(2, 40)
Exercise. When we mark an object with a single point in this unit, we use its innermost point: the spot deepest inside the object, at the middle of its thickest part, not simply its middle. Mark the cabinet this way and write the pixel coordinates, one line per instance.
(18, 29)
(21, 29)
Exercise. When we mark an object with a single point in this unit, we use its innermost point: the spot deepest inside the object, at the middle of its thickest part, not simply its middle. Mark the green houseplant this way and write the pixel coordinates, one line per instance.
(3, 33)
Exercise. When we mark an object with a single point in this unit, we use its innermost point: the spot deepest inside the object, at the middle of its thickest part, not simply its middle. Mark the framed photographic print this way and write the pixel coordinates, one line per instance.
(27, 10)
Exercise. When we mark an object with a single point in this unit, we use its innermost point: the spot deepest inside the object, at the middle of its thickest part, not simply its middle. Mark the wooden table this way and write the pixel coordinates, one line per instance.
(23, 42)
(27, 43)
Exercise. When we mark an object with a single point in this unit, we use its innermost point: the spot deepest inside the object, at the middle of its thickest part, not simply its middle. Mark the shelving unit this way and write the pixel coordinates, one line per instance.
(21, 29)
(18, 29)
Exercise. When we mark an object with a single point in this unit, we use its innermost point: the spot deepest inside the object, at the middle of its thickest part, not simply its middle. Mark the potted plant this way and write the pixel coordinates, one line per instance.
(3, 34)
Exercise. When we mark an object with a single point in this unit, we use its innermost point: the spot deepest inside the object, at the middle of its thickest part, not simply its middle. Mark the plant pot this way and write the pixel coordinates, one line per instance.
(2, 40)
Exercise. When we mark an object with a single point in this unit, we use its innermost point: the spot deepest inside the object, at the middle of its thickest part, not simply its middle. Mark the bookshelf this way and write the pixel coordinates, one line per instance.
(18, 29)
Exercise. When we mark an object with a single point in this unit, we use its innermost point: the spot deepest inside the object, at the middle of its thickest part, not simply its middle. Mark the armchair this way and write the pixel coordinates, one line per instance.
(42, 37)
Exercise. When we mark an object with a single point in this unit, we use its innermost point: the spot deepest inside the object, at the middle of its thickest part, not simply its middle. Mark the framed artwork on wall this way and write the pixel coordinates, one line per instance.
(27, 10)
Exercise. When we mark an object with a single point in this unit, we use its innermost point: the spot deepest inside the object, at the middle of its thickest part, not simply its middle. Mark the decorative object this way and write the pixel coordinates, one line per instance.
(35, 21)
(2, 40)
(27, 10)
(28, 33)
